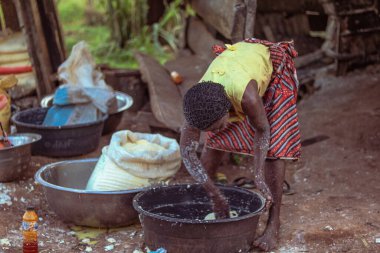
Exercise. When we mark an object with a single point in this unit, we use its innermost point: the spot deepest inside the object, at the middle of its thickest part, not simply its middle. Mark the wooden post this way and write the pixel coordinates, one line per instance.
(269, 33)
(29, 17)
(52, 33)
(251, 6)
(10, 15)
(238, 28)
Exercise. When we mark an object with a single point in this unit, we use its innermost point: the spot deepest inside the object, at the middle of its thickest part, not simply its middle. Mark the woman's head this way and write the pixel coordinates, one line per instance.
(204, 104)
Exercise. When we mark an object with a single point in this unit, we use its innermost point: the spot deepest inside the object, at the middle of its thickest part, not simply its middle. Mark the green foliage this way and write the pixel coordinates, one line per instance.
(170, 27)
(122, 29)
(2, 19)
(71, 11)
(126, 19)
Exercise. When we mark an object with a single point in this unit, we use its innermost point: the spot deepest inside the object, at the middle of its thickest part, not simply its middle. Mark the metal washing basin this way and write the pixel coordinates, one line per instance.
(14, 161)
(64, 185)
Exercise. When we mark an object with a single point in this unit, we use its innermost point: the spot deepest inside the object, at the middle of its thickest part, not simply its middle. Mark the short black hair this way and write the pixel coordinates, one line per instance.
(205, 103)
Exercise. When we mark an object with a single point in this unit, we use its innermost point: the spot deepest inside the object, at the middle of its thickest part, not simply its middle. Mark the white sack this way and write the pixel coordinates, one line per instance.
(134, 160)
(80, 69)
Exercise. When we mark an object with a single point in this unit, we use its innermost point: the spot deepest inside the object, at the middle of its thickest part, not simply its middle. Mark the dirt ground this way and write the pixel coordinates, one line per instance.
(336, 202)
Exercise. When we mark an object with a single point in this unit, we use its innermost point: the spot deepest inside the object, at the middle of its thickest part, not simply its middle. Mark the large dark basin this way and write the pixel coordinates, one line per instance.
(173, 217)
(59, 141)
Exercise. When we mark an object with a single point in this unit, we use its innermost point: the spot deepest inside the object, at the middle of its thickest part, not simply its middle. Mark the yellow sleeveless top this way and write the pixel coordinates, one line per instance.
(235, 67)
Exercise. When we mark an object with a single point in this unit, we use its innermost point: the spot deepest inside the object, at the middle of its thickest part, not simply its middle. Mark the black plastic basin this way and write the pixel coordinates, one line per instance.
(59, 141)
(173, 218)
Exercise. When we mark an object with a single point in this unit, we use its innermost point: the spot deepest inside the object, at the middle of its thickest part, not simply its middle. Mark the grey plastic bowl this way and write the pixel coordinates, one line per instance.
(59, 141)
(64, 185)
(14, 161)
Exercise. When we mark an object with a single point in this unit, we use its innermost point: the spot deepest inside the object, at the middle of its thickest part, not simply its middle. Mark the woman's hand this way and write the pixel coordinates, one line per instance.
(264, 189)
(220, 203)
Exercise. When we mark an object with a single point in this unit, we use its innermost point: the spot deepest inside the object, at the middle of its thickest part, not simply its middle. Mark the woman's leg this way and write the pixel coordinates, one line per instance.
(274, 177)
(211, 159)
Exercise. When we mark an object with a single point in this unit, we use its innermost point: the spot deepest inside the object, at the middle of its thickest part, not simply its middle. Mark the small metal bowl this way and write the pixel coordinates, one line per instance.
(59, 141)
(14, 160)
(64, 185)
(124, 102)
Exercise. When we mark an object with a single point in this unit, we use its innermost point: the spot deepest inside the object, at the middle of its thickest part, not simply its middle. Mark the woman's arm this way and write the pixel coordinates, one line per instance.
(188, 145)
(253, 107)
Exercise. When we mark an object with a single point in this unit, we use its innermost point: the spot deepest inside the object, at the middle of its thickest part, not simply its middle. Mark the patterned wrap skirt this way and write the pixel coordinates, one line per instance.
(280, 105)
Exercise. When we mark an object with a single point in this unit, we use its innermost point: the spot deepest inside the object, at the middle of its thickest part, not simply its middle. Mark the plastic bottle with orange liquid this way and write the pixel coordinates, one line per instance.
(29, 231)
